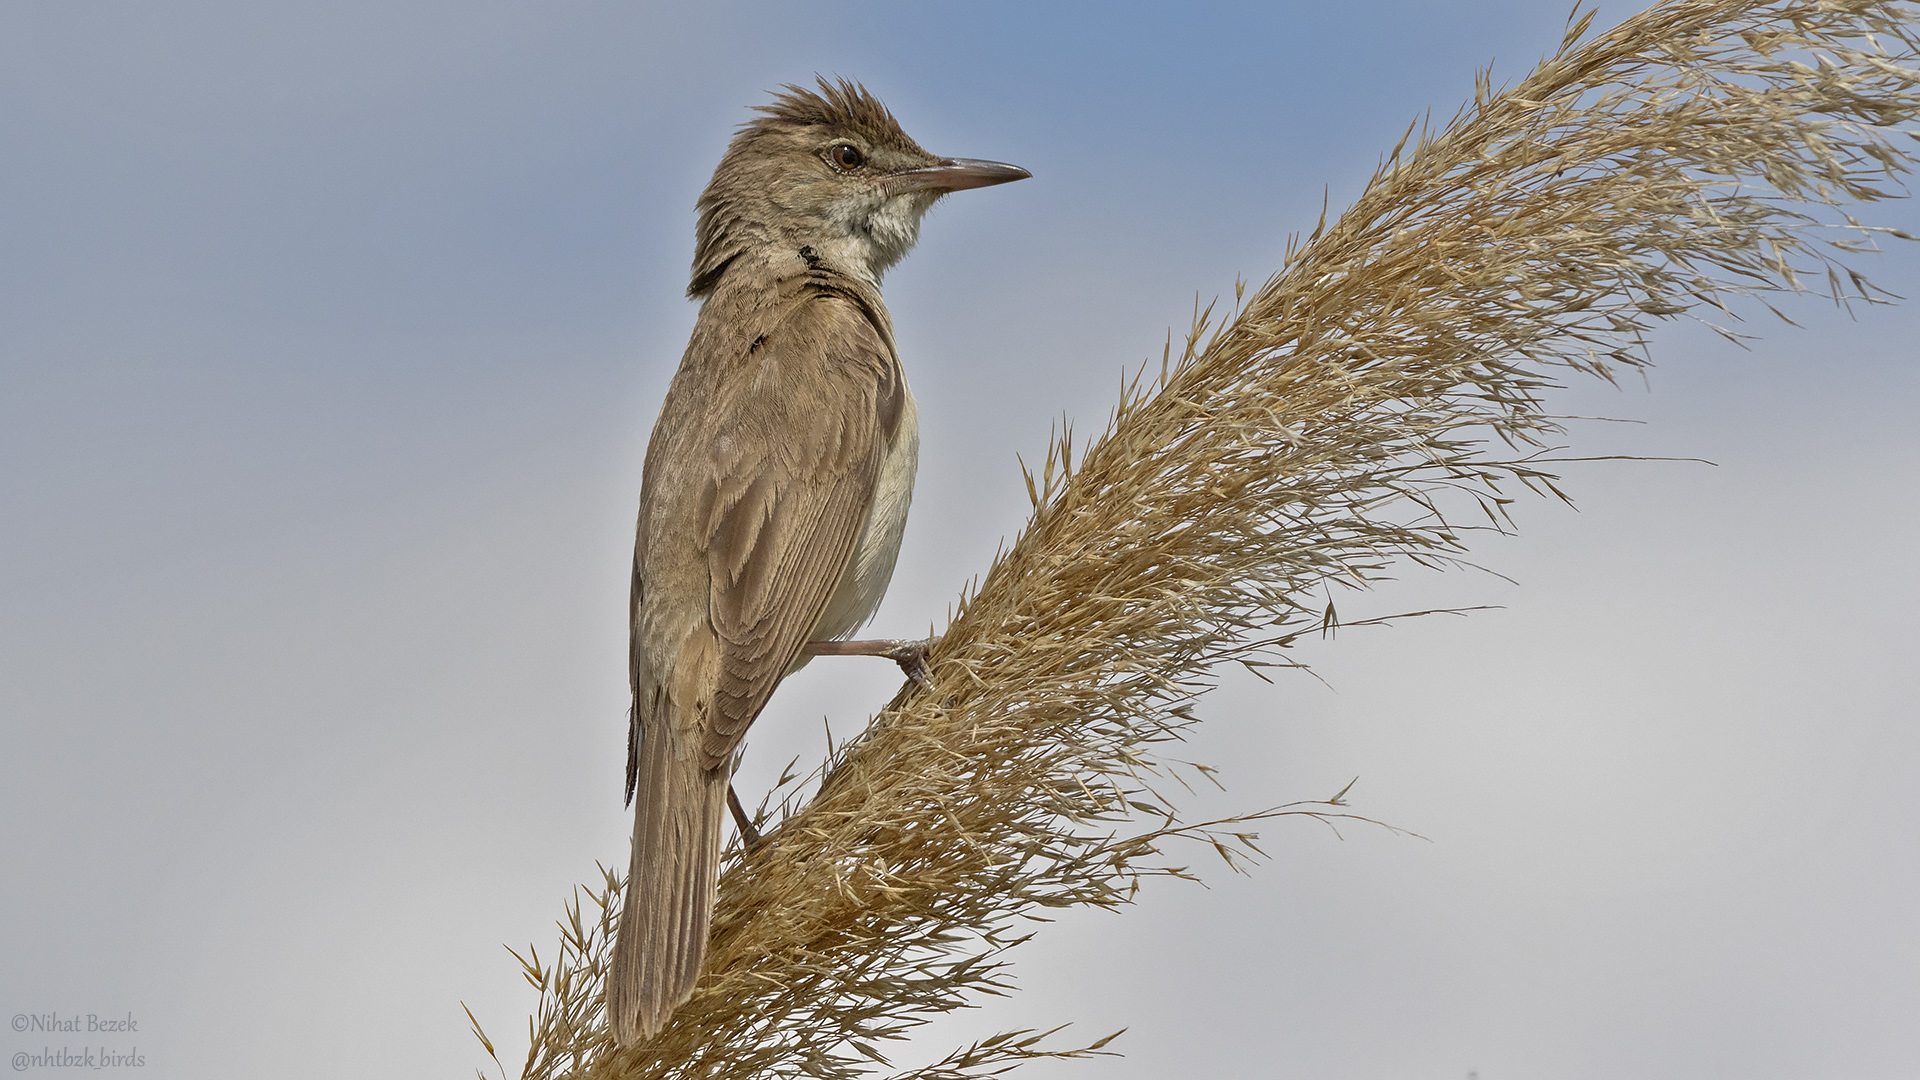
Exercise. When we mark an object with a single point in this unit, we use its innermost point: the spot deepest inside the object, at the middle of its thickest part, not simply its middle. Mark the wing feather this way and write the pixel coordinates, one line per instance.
(778, 548)
(772, 472)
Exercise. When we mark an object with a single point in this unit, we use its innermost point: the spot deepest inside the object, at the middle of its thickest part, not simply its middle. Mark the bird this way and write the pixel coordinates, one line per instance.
(774, 491)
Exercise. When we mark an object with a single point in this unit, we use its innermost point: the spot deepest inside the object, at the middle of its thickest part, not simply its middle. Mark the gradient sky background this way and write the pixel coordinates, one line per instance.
(330, 340)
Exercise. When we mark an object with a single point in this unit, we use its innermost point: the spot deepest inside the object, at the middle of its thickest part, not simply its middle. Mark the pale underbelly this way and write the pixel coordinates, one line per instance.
(863, 585)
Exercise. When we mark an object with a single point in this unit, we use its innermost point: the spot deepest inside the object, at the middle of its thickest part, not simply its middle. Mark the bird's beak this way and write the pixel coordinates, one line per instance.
(955, 174)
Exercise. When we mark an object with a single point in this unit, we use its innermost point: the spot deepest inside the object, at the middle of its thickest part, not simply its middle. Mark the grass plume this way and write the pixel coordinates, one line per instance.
(1373, 403)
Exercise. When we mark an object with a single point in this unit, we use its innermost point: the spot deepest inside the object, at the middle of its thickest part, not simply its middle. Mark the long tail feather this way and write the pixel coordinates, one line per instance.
(670, 889)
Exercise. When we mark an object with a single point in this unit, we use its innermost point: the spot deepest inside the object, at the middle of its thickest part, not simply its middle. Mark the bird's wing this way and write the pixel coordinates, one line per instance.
(793, 438)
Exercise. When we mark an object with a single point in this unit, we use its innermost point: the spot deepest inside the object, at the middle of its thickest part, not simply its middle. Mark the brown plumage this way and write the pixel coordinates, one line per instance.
(775, 488)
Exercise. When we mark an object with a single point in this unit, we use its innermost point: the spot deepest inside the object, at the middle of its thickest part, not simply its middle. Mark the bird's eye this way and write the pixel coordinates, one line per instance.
(845, 156)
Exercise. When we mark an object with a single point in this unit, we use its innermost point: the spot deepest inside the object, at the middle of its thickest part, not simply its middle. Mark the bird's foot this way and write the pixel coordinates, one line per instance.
(910, 654)
(749, 835)
(912, 658)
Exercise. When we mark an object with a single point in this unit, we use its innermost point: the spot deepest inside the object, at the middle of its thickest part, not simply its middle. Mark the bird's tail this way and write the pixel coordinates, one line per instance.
(678, 817)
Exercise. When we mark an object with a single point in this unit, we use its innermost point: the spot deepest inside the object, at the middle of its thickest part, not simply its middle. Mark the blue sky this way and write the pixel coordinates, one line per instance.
(333, 336)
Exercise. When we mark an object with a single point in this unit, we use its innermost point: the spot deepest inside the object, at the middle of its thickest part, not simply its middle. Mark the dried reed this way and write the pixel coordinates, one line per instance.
(1388, 377)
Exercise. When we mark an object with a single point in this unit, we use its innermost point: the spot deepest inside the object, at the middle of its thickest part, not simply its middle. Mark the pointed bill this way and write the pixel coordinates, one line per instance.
(955, 174)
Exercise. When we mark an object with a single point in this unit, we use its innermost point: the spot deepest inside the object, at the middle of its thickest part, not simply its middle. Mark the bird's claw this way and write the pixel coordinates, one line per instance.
(912, 658)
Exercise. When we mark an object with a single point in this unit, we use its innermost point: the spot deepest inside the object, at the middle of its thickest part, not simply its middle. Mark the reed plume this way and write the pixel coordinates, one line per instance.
(1368, 406)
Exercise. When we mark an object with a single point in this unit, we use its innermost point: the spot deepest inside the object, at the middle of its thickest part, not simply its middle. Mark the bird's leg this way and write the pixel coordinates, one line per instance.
(749, 835)
(910, 654)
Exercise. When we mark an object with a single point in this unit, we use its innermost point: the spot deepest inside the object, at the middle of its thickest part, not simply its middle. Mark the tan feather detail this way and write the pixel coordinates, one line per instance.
(676, 858)
(778, 549)
(735, 519)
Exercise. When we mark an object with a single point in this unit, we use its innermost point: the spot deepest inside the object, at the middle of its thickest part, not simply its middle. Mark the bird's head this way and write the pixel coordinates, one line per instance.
(824, 178)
